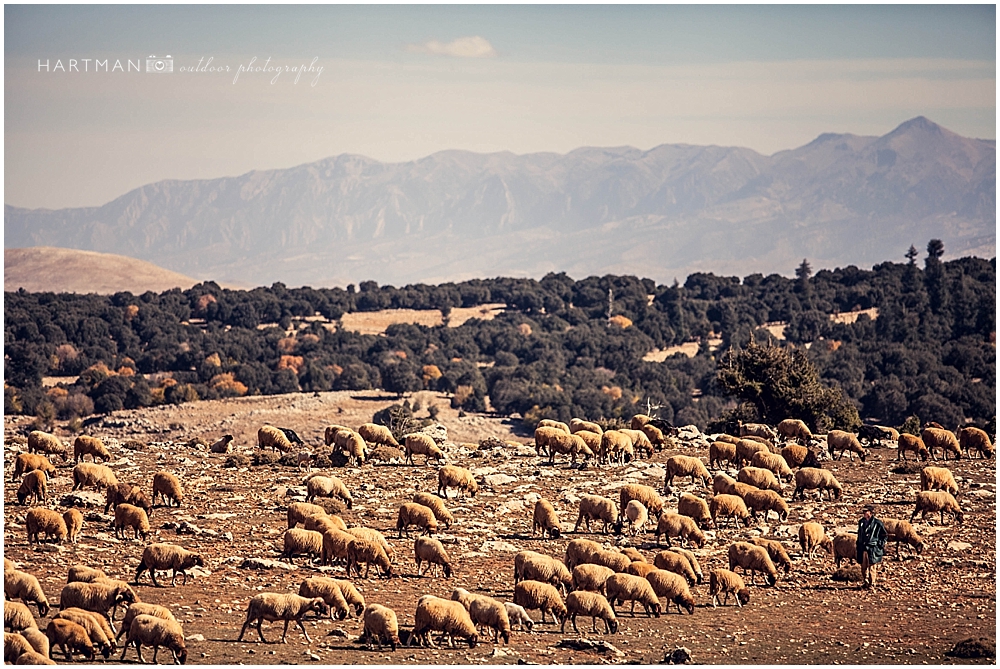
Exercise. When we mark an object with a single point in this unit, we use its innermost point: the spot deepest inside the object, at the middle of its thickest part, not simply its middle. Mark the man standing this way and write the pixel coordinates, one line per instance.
(871, 545)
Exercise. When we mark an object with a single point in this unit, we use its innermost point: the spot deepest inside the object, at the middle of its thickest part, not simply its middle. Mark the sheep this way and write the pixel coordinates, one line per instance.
(47, 521)
(363, 551)
(643, 493)
(102, 597)
(615, 446)
(38, 641)
(673, 588)
(578, 551)
(724, 582)
(626, 587)
(545, 519)
(14, 646)
(377, 434)
(695, 508)
(677, 563)
(437, 507)
(9, 564)
(593, 604)
(335, 543)
(566, 444)
(411, 513)
(640, 442)
(873, 433)
(299, 511)
(636, 517)
(124, 493)
(328, 589)
(592, 441)
(799, 456)
(450, 476)
(655, 436)
(692, 561)
(32, 487)
(485, 612)
(845, 548)
(330, 433)
(595, 507)
(811, 478)
(96, 626)
(351, 594)
(532, 566)
(327, 486)
(776, 551)
(168, 487)
(938, 478)
(372, 535)
(721, 451)
(435, 614)
(271, 437)
(935, 438)
(273, 606)
(83, 574)
(86, 445)
(753, 559)
(88, 474)
(128, 516)
(683, 465)
(142, 608)
(542, 435)
(148, 630)
(792, 428)
(27, 462)
(70, 637)
(17, 617)
(325, 523)
(676, 525)
(43, 442)
(302, 542)
(33, 657)
(558, 425)
(640, 568)
(610, 558)
(223, 445)
(422, 444)
(380, 624)
(639, 420)
(900, 531)
(941, 501)
(537, 595)
(973, 439)
(912, 444)
(165, 556)
(352, 443)
(319, 586)
(633, 554)
(432, 552)
(838, 440)
(591, 577)
(763, 479)
(723, 484)
(745, 449)
(729, 506)
(757, 430)
(577, 424)
(773, 463)
(518, 616)
(813, 536)
(766, 501)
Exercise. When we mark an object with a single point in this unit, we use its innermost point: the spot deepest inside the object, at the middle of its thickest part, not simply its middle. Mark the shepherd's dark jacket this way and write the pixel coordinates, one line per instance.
(871, 539)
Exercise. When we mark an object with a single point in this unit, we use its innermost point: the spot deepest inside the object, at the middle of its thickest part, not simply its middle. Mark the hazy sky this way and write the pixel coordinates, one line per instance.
(400, 82)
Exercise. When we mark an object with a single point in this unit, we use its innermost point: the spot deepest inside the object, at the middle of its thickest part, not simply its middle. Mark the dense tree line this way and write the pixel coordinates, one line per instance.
(562, 348)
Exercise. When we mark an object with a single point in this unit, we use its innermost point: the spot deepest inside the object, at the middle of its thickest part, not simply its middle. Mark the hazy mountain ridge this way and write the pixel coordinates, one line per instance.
(841, 199)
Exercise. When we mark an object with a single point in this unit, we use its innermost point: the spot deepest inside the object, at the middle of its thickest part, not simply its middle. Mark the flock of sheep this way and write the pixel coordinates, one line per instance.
(591, 579)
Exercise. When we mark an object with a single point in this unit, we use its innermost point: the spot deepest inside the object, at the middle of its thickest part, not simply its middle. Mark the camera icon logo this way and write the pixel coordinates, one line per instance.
(160, 65)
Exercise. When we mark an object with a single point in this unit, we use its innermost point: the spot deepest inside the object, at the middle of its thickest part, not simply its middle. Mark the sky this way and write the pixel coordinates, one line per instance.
(280, 86)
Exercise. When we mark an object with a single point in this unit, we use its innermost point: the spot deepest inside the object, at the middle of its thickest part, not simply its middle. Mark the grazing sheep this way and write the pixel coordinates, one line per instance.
(299, 511)
(17, 617)
(43, 442)
(838, 440)
(366, 552)
(938, 478)
(8, 564)
(32, 488)
(14, 646)
(69, 636)
(128, 516)
(764, 479)
(79, 573)
(973, 439)
(776, 551)
(626, 587)
(639, 420)
(792, 428)
(811, 478)
(532, 566)
(902, 532)
(432, 552)
(640, 442)
(799, 456)
(102, 597)
(723, 484)
(935, 438)
(518, 616)
(640, 568)
(422, 444)
(335, 543)
(692, 560)
(612, 559)
(125, 493)
(47, 521)
(566, 444)
(165, 556)
(695, 508)
(329, 433)
(642, 493)
(655, 436)
(327, 486)
(273, 438)
(97, 476)
(38, 641)
(591, 577)
(372, 535)
(435, 614)
(672, 587)
(578, 551)
(577, 424)
(537, 595)
(168, 487)
(224, 445)
(753, 559)
(33, 657)
(636, 517)
(450, 476)
(722, 451)
(97, 628)
(745, 449)
(411, 513)
(845, 548)
(683, 465)
(380, 624)
(615, 445)
(593, 604)
(545, 519)
(633, 554)
(377, 434)
(941, 501)
(912, 444)
(766, 501)
(559, 425)
(92, 446)
(724, 582)
(352, 443)
(757, 430)
(729, 506)
(436, 506)
(273, 606)
(813, 536)
(773, 463)
(677, 563)
(594, 507)
(302, 542)
(542, 435)
(148, 630)
(592, 440)
(486, 613)
(325, 523)
(676, 525)
(27, 462)
(329, 590)
(142, 608)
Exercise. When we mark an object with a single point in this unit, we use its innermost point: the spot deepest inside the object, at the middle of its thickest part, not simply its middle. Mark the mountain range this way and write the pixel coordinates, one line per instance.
(840, 200)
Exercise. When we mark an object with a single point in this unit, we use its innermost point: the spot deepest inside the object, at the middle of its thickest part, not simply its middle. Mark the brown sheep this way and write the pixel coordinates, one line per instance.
(935, 438)
(909, 443)
(792, 428)
(26, 462)
(92, 446)
(33, 488)
(38, 521)
(799, 456)
(838, 440)
(168, 487)
(973, 439)
(545, 519)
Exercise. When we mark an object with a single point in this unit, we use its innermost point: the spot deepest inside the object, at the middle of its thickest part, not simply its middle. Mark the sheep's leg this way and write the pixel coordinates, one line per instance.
(152, 575)
(302, 627)
(260, 632)
(285, 633)
(156, 649)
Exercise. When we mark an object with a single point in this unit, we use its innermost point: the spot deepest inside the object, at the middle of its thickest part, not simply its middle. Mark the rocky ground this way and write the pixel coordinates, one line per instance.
(925, 604)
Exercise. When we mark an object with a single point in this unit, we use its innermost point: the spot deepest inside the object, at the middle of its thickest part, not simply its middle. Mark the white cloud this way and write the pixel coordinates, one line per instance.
(463, 47)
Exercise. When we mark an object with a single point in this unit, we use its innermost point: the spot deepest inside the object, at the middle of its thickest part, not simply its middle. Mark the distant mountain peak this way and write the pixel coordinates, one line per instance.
(920, 124)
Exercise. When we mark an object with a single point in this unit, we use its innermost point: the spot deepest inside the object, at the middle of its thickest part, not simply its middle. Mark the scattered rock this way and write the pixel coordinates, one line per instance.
(195, 637)
(437, 432)
(974, 648)
(848, 574)
(334, 507)
(958, 546)
(503, 546)
(491, 442)
(237, 460)
(265, 458)
(496, 480)
(386, 454)
(680, 655)
(84, 498)
(134, 445)
(587, 644)
(264, 563)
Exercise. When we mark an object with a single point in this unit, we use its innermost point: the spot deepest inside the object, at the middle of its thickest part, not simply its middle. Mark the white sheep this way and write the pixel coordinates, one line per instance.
(633, 553)
(380, 624)
(302, 542)
(69, 636)
(435, 614)
(40, 643)
(935, 438)
(672, 587)
(74, 524)
(537, 595)
(103, 597)
(695, 508)
(645, 494)
(377, 434)
(757, 430)
(532, 566)
(17, 617)
(684, 465)
(845, 548)
(595, 507)
(128, 516)
(636, 517)
(140, 609)
(86, 445)
(902, 532)
(97, 628)
(156, 632)
(675, 562)
(776, 551)
(692, 561)
(772, 462)
(973, 439)
(335, 542)
(566, 444)
(163, 556)
(84, 574)
(720, 451)
(559, 425)
(745, 449)
(578, 551)
(813, 536)
(753, 559)
(792, 428)
(431, 552)
(486, 613)
(610, 558)
(811, 478)
(45, 521)
(593, 604)
(299, 511)
(352, 443)
(450, 476)
(43, 442)
(941, 501)
(845, 442)
(518, 616)
(327, 486)
(764, 479)
(24, 586)
(798, 456)
(26, 462)
(910, 443)
(578, 424)
(938, 478)
(545, 518)
(626, 587)
(766, 501)
(615, 446)
(724, 582)
(366, 552)
(273, 606)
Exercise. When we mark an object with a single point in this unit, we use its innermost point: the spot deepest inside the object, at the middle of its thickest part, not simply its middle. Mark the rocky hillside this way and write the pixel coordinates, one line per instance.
(46, 269)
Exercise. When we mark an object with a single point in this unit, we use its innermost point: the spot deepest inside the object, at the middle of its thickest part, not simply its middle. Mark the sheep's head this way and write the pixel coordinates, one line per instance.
(612, 625)
(447, 570)
(863, 454)
(106, 650)
(341, 613)
(743, 595)
(473, 640)
(319, 606)
(181, 656)
(43, 609)
(772, 579)
(655, 608)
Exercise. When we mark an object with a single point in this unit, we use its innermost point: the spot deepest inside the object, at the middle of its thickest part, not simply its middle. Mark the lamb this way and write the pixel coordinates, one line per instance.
(102, 597)
(626, 587)
(594, 507)
(142, 608)
(766, 501)
(223, 445)
(165, 556)
(32, 487)
(677, 563)
(938, 478)
(168, 487)
(432, 552)
(643, 493)
(799, 456)
(327, 486)
(532, 566)
(148, 630)
(437, 507)
(273, 606)
(88, 474)
(559, 425)
(811, 478)
(593, 604)
(900, 531)
(96, 626)
(745, 448)
(128, 516)
(411, 513)
(70, 637)
(973, 439)
(299, 511)
(363, 551)
(47, 521)
(124, 493)
(838, 440)
(329, 590)
(614, 445)
(683, 465)
(542, 435)
(302, 542)
(721, 451)
(724, 582)
(578, 551)
(351, 595)
(692, 561)
(636, 517)
(39, 642)
(435, 614)
(335, 543)
(518, 616)
(576, 425)
(676, 525)
(43, 442)
(813, 536)
(83, 574)
(330, 433)
(33, 657)
(14, 646)
(537, 595)
(845, 548)
(591, 577)
(757, 430)
(673, 587)
(92, 446)
(941, 501)
(485, 612)
(271, 437)
(377, 434)
(633, 554)
(763, 479)
(695, 508)
(772, 462)
(380, 624)
(27, 462)
(450, 476)
(422, 444)
(753, 559)
(779, 556)
(729, 506)
(17, 617)
(792, 428)
(935, 438)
